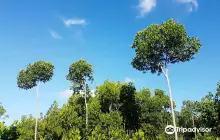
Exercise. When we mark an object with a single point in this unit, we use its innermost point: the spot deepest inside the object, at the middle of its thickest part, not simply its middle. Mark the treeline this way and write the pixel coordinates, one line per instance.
(119, 112)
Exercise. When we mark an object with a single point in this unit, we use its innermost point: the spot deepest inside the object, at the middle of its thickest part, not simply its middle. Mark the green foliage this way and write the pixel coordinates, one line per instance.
(26, 127)
(73, 134)
(94, 107)
(2, 129)
(139, 135)
(51, 123)
(153, 109)
(10, 132)
(209, 112)
(37, 72)
(164, 136)
(129, 107)
(163, 44)
(109, 127)
(25, 80)
(109, 95)
(2, 112)
(79, 72)
(142, 115)
(188, 117)
(205, 137)
(69, 118)
(189, 113)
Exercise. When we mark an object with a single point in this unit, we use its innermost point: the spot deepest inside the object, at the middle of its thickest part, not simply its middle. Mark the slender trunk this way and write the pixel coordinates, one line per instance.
(193, 124)
(171, 103)
(35, 136)
(86, 107)
(171, 100)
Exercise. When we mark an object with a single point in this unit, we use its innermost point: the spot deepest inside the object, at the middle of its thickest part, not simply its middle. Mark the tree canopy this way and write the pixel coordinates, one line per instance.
(80, 71)
(163, 44)
(37, 72)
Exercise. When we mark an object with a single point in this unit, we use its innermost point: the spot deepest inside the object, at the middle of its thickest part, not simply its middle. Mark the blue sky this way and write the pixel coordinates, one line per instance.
(100, 32)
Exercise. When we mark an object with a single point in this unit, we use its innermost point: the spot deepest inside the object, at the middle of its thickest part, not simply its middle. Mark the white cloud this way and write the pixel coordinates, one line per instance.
(145, 6)
(127, 80)
(191, 2)
(74, 21)
(55, 35)
(66, 93)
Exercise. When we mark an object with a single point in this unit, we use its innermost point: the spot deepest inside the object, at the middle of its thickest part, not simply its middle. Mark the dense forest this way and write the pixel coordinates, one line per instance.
(117, 110)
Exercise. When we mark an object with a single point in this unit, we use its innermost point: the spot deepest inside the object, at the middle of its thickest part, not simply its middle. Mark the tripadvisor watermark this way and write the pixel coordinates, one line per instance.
(170, 129)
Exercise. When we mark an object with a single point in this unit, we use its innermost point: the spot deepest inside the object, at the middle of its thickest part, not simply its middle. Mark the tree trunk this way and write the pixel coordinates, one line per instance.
(193, 124)
(171, 100)
(86, 106)
(35, 135)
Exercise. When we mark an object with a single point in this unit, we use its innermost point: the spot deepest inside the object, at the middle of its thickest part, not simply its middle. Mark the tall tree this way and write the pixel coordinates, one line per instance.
(160, 45)
(35, 73)
(79, 73)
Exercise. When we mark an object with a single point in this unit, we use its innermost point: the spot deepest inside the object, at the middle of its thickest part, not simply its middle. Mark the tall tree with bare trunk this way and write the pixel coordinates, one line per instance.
(160, 45)
(79, 73)
(35, 73)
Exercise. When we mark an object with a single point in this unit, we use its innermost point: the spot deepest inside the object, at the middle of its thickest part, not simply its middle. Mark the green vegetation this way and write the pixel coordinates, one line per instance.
(34, 74)
(2, 112)
(78, 74)
(160, 45)
(119, 111)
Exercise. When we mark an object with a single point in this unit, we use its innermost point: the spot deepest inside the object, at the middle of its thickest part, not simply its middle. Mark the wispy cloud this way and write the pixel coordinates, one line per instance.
(66, 93)
(55, 35)
(127, 80)
(145, 6)
(193, 3)
(74, 21)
